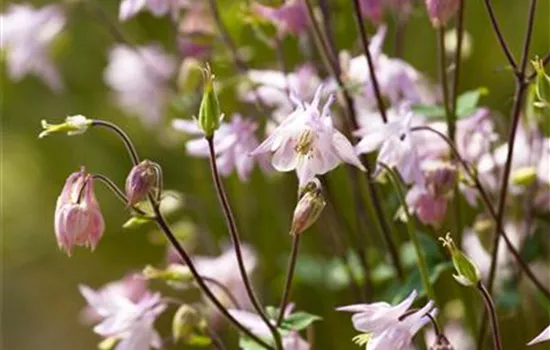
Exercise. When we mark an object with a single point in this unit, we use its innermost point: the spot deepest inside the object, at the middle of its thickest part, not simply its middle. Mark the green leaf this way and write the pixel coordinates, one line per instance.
(246, 343)
(300, 320)
(429, 111)
(414, 282)
(135, 222)
(467, 102)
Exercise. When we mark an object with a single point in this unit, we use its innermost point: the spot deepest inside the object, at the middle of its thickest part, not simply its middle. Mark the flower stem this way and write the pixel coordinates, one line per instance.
(231, 225)
(117, 191)
(223, 288)
(490, 308)
(123, 136)
(421, 259)
(289, 277)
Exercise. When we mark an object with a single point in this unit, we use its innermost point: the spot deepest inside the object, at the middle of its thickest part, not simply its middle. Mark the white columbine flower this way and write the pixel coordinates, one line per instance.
(306, 141)
(542, 337)
(130, 322)
(233, 142)
(159, 8)
(139, 78)
(383, 325)
(26, 35)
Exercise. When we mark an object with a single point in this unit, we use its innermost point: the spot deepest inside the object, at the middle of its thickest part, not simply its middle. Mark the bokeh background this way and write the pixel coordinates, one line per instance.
(40, 300)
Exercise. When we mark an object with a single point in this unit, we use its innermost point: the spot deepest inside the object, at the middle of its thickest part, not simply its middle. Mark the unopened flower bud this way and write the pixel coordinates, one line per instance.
(441, 178)
(142, 179)
(187, 320)
(467, 272)
(542, 85)
(78, 219)
(372, 9)
(441, 343)
(440, 11)
(74, 125)
(307, 210)
(524, 176)
(209, 110)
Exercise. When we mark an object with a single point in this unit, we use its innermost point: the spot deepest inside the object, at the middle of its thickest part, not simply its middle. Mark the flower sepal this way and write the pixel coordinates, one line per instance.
(73, 125)
(468, 273)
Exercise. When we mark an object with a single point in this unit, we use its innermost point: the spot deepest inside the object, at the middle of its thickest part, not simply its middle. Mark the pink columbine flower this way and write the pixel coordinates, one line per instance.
(128, 321)
(542, 337)
(429, 208)
(440, 11)
(306, 141)
(289, 18)
(475, 135)
(290, 340)
(26, 35)
(159, 8)
(139, 78)
(78, 219)
(372, 9)
(233, 142)
(384, 325)
(140, 181)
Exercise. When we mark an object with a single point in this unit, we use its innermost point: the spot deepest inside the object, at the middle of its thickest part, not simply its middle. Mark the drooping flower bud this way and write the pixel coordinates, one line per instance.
(209, 110)
(142, 179)
(308, 209)
(440, 11)
(78, 219)
(187, 322)
(74, 125)
(441, 178)
(467, 272)
(442, 343)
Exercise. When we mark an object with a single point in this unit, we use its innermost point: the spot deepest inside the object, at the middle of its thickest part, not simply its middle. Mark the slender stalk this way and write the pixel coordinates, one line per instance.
(289, 277)
(435, 324)
(370, 63)
(117, 191)
(444, 83)
(421, 259)
(123, 136)
(500, 37)
(232, 227)
(224, 289)
(490, 308)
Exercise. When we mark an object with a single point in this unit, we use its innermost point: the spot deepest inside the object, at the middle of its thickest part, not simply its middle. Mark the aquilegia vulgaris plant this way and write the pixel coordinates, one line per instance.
(413, 207)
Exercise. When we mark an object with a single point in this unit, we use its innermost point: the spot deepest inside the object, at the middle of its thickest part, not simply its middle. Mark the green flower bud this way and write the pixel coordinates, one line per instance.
(74, 125)
(524, 176)
(542, 85)
(174, 272)
(467, 272)
(307, 210)
(186, 322)
(209, 110)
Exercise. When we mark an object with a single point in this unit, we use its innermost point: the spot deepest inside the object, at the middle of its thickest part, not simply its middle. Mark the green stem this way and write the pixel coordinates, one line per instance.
(491, 310)
(289, 277)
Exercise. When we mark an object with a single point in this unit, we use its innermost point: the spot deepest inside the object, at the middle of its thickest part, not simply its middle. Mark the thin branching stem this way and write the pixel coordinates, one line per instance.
(289, 277)
(500, 37)
(123, 136)
(491, 310)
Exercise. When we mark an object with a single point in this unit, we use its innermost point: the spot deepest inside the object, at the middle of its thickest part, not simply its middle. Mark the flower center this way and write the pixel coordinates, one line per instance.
(305, 142)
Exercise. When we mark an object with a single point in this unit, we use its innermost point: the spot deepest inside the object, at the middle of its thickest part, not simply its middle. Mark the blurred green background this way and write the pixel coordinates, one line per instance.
(40, 300)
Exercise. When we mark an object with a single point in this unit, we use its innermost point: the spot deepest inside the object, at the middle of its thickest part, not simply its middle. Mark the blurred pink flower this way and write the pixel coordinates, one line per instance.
(306, 141)
(542, 337)
(372, 9)
(26, 36)
(233, 142)
(139, 78)
(289, 18)
(196, 30)
(475, 135)
(140, 181)
(129, 321)
(382, 322)
(291, 340)
(429, 209)
(440, 11)
(78, 219)
(129, 8)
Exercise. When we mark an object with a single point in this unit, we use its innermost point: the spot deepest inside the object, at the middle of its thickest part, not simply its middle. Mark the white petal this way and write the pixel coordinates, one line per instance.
(542, 337)
(285, 158)
(186, 126)
(345, 150)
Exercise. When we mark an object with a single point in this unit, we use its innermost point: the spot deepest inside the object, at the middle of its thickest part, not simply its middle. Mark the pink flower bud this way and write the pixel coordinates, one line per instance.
(289, 18)
(140, 181)
(430, 210)
(441, 178)
(372, 9)
(440, 11)
(308, 209)
(78, 219)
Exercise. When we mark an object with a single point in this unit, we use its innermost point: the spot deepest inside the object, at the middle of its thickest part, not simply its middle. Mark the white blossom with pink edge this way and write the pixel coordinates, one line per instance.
(26, 36)
(159, 8)
(139, 78)
(307, 141)
(128, 321)
(542, 337)
(290, 340)
(233, 142)
(383, 324)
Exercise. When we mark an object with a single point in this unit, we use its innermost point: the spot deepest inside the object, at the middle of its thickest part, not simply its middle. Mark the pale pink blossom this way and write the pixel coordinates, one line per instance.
(159, 8)
(233, 142)
(440, 11)
(289, 18)
(542, 337)
(385, 325)
(429, 209)
(196, 30)
(475, 135)
(306, 141)
(253, 322)
(26, 36)
(128, 321)
(372, 9)
(78, 219)
(139, 78)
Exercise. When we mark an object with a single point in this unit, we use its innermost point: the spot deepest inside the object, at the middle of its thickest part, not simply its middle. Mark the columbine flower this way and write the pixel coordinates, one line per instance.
(233, 142)
(289, 18)
(306, 141)
(308, 209)
(396, 145)
(429, 209)
(159, 8)
(78, 219)
(74, 125)
(130, 322)
(196, 31)
(141, 179)
(440, 11)
(139, 77)
(372, 9)
(290, 340)
(383, 325)
(475, 134)
(542, 337)
(26, 34)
